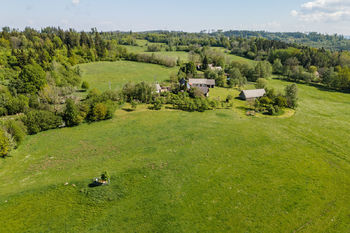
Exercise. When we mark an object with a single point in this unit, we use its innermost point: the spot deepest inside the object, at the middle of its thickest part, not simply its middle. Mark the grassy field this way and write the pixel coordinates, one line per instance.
(101, 74)
(174, 171)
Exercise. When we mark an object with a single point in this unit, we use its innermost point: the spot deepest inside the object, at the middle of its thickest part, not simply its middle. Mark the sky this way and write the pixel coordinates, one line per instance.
(325, 16)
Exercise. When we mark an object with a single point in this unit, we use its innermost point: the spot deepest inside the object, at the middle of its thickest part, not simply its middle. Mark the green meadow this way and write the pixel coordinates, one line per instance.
(175, 171)
(103, 75)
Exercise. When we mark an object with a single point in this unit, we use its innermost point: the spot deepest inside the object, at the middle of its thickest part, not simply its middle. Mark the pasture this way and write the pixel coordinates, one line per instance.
(102, 74)
(174, 171)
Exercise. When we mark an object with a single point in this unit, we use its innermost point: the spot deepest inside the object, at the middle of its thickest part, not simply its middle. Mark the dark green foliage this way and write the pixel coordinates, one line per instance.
(154, 48)
(41, 120)
(152, 58)
(5, 145)
(277, 66)
(156, 104)
(34, 101)
(184, 102)
(280, 101)
(261, 83)
(291, 93)
(142, 92)
(236, 78)
(16, 129)
(71, 114)
(85, 85)
(31, 79)
(187, 70)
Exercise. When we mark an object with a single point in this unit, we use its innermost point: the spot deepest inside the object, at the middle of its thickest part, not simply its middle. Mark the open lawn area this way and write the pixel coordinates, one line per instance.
(175, 171)
(100, 74)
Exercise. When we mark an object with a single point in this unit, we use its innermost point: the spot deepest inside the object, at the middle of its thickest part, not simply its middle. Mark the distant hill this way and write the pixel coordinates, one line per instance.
(313, 39)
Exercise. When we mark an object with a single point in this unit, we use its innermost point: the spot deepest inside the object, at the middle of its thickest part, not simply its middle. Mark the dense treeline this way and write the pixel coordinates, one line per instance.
(312, 39)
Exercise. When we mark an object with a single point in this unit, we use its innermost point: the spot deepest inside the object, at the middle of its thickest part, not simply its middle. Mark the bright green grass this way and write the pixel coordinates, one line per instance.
(100, 74)
(235, 58)
(174, 171)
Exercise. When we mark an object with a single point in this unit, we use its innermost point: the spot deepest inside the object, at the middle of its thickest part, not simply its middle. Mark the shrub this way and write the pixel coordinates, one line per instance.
(99, 112)
(34, 101)
(261, 83)
(292, 95)
(17, 130)
(41, 120)
(3, 111)
(157, 104)
(271, 110)
(4, 143)
(265, 100)
(85, 85)
(71, 115)
(281, 101)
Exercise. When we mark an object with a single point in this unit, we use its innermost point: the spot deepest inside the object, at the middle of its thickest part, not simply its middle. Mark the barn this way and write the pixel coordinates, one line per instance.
(252, 94)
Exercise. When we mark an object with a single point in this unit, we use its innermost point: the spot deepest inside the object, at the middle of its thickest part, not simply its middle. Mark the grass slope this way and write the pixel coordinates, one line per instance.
(100, 74)
(174, 171)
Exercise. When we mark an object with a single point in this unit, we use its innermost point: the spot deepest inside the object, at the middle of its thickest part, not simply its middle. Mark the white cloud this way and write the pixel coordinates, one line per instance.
(323, 11)
(76, 2)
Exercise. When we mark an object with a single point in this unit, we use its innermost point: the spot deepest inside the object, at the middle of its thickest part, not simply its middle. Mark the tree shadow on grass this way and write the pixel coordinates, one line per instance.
(316, 85)
(128, 109)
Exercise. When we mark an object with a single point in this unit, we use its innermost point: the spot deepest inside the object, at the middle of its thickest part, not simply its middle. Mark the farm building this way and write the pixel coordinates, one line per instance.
(217, 68)
(160, 89)
(198, 82)
(252, 94)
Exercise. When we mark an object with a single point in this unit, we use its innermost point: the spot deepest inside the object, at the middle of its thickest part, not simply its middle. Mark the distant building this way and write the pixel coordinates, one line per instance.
(160, 89)
(252, 94)
(212, 67)
(199, 82)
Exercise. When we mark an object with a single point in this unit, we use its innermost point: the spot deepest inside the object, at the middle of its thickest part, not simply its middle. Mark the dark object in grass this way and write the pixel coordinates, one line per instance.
(99, 182)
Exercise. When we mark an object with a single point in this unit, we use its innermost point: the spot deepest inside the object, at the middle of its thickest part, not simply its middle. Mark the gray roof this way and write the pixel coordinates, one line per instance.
(204, 90)
(201, 81)
(249, 94)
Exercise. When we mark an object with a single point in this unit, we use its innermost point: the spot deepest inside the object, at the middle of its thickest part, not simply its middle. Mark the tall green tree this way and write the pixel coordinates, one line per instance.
(291, 93)
(71, 115)
(31, 79)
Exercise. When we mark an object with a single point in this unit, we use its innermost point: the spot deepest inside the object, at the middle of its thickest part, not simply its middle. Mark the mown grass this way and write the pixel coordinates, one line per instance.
(102, 75)
(174, 171)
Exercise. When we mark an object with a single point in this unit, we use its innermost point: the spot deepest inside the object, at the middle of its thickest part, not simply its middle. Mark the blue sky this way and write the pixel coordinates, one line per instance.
(326, 16)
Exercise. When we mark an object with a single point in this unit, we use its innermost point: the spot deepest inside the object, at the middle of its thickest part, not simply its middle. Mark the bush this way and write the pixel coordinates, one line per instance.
(41, 120)
(292, 95)
(229, 98)
(3, 111)
(271, 110)
(85, 85)
(5, 144)
(99, 112)
(281, 101)
(17, 130)
(157, 104)
(34, 101)
(71, 115)
(261, 83)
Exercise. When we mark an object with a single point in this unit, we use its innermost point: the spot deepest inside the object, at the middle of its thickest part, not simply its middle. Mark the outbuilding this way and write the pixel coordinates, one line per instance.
(201, 82)
(252, 94)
